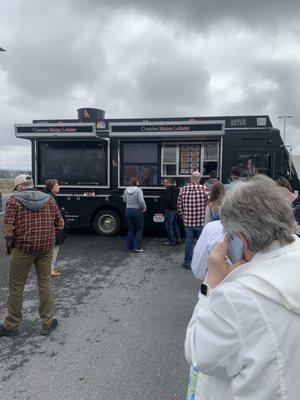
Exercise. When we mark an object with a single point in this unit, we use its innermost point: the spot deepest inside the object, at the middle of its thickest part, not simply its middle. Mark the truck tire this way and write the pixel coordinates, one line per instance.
(107, 223)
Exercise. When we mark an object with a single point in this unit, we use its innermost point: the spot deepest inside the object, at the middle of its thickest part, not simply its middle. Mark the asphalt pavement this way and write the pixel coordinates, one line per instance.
(122, 320)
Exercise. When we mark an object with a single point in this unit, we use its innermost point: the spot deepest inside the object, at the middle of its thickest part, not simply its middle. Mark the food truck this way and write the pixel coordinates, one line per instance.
(94, 157)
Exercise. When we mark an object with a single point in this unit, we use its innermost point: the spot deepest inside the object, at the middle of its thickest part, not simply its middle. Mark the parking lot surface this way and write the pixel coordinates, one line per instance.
(122, 325)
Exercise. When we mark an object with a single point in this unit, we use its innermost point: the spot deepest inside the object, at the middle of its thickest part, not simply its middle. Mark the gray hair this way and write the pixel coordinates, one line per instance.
(260, 212)
(195, 177)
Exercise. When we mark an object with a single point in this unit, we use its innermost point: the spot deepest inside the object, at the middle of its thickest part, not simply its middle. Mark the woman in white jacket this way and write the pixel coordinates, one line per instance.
(244, 333)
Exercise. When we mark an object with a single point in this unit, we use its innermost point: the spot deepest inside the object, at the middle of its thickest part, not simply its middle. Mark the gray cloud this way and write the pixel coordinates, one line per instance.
(200, 14)
(147, 58)
(168, 89)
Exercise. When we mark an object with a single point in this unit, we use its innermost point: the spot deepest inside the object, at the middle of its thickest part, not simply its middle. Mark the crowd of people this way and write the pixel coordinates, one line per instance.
(241, 341)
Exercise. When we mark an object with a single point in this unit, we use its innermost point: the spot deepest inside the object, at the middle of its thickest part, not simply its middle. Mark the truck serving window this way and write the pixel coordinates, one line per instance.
(73, 162)
(140, 160)
(182, 159)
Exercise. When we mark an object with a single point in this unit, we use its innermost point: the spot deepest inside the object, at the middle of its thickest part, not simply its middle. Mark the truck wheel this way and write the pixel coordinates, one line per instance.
(107, 223)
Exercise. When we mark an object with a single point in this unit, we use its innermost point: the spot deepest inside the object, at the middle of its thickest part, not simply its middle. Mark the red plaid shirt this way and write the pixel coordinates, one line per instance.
(33, 232)
(192, 202)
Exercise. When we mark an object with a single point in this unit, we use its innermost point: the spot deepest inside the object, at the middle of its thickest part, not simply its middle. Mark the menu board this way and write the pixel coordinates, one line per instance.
(189, 158)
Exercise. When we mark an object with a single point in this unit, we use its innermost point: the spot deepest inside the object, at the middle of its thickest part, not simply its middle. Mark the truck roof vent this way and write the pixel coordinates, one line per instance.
(90, 114)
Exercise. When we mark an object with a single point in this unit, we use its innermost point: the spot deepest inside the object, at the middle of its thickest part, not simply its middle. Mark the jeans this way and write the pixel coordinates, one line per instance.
(135, 222)
(172, 228)
(191, 233)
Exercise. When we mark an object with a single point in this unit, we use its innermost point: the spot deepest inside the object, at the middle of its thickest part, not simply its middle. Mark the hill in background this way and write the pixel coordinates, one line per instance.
(7, 177)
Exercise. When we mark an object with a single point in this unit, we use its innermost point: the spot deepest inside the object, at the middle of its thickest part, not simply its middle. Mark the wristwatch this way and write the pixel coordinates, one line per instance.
(205, 289)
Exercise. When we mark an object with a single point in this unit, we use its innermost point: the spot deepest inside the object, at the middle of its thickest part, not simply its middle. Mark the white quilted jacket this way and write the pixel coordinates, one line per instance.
(245, 337)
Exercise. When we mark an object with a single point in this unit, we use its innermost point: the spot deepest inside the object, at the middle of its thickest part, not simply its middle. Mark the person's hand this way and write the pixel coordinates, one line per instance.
(144, 210)
(218, 267)
(9, 245)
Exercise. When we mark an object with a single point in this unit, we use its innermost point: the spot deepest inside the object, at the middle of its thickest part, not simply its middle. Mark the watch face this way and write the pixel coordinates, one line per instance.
(203, 289)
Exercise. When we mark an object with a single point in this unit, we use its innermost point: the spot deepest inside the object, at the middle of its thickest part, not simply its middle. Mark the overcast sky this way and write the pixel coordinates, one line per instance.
(147, 58)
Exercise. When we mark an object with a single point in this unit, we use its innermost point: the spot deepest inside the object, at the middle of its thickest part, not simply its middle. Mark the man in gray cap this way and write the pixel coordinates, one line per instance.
(31, 221)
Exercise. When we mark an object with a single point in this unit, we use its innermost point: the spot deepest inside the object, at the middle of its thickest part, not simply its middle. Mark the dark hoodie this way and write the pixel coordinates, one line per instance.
(32, 199)
(168, 198)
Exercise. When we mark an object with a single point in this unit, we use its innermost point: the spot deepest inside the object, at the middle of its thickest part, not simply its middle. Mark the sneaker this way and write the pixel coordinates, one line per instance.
(138, 250)
(186, 265)
(55, 272)
(8, 332)
(47, 331)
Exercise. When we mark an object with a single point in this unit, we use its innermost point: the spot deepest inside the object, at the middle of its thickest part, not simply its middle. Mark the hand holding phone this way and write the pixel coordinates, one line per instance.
(218, 265)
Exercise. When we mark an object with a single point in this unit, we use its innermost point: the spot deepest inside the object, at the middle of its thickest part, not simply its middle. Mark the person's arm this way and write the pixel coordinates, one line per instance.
(9, 224)
(168, 199)
(141, 200)
(208, 215)
(58, 221)
(207, 240)
(161, 202)
(180, 205)
(207, 194)
(124, 196)
(213, 339)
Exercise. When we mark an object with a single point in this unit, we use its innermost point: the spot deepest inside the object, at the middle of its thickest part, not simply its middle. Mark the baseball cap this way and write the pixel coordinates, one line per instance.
(23, 178)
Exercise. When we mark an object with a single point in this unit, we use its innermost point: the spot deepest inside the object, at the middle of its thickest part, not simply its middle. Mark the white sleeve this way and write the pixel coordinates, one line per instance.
(212, 234)
(213, 339)
(141, 199)
(200, 255)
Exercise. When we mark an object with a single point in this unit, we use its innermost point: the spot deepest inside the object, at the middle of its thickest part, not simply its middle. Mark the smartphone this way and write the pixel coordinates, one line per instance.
(235, 249)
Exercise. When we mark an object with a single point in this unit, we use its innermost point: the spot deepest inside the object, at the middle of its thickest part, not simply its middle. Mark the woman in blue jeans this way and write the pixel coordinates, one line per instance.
(135, 207)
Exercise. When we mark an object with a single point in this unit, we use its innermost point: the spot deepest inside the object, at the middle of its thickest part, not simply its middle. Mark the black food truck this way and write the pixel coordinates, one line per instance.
(93, 158)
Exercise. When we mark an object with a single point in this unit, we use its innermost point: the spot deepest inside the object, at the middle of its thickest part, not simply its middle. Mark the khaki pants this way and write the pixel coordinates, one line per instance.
(19, 267)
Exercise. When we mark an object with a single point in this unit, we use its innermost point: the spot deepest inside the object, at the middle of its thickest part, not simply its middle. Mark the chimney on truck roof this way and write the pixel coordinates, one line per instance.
(90, 114)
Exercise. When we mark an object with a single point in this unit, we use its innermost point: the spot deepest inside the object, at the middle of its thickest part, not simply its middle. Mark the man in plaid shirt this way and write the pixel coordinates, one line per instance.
(31, 221)
(192, 201)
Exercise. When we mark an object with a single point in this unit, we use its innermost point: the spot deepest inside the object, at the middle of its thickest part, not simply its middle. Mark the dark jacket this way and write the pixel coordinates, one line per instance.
(61, 234)
(296, 209)
(168, 198)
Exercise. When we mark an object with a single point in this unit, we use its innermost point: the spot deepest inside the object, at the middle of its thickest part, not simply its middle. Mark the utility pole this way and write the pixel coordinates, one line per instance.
(284, 117)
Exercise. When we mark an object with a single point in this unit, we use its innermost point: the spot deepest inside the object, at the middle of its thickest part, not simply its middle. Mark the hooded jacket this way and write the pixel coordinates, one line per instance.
(133, 197)
(31, 221)
(245, 336)
(32, 199)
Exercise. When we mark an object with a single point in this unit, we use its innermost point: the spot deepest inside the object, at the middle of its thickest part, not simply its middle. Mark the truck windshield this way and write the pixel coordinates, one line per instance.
(73, 162)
